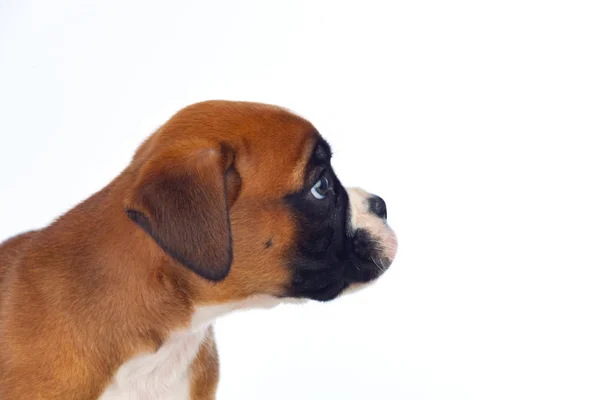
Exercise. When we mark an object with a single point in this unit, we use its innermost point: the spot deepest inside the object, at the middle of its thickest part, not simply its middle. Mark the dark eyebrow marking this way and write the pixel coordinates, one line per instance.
(320, 157)
(322, 151)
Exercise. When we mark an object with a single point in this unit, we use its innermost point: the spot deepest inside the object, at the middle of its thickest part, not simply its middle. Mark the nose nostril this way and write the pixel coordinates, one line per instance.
(377, 206)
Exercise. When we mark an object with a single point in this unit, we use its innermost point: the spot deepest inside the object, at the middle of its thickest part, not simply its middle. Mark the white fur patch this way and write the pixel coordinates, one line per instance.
(160, 375)
(165, 374)
(362, 218)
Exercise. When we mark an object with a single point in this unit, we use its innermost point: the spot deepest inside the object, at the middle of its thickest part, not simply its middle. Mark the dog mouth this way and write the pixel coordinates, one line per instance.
(366, 258)
(379, 251)
(371, 255)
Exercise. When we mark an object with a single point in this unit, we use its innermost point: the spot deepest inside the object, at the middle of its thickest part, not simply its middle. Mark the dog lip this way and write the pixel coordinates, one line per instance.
(390, 245)
(368, 246)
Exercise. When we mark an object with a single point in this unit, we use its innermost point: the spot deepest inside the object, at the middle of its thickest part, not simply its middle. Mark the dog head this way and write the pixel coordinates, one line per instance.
(244, 196)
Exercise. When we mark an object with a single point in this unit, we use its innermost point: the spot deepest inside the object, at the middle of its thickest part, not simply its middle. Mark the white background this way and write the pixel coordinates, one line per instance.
(477, 121)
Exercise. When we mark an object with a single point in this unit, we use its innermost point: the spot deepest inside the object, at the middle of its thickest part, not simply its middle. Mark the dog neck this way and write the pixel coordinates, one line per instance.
(165, 373)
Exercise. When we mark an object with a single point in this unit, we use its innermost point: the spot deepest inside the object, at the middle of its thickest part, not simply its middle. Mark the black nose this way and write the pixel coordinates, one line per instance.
(377, 206)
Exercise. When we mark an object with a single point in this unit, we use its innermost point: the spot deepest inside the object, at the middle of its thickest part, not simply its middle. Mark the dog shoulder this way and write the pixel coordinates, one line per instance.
(11, 250)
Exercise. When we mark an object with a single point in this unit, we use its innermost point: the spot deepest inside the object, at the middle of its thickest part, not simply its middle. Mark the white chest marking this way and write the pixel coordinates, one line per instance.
(164, 374)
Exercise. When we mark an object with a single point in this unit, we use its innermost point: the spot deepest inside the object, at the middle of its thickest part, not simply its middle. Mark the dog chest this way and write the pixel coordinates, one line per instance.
(162, 375)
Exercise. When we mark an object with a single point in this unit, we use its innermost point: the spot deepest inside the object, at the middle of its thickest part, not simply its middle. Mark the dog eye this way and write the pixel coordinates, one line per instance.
(320, 188)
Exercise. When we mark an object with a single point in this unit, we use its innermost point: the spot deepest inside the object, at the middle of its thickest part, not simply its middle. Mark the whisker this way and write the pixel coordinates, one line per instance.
(378, 264)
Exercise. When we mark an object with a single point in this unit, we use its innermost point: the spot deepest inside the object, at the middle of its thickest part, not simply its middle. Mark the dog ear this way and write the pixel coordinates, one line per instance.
(181, 202)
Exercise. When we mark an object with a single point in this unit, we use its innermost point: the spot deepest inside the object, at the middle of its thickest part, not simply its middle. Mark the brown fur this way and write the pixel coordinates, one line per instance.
(93, 289)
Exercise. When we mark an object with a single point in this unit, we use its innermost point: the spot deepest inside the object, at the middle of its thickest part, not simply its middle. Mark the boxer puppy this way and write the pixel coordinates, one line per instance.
(228, 205)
